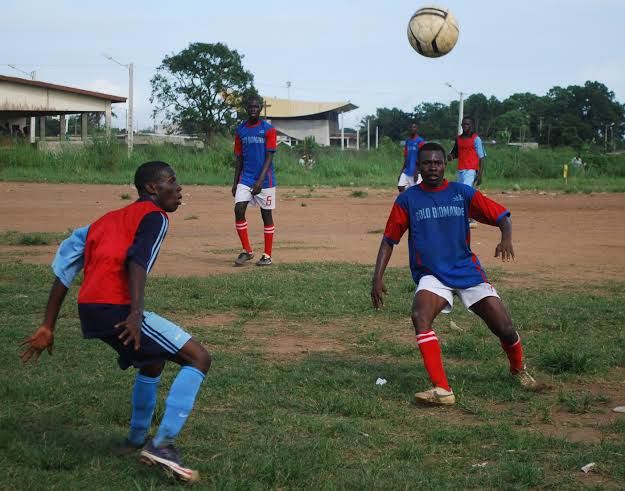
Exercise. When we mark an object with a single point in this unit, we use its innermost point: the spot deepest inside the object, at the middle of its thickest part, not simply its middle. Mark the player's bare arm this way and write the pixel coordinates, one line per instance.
(378, 289)
(478, 178)
(238, 167)
(43, 337)
(258, 185)
(131, 327)
(504, 248)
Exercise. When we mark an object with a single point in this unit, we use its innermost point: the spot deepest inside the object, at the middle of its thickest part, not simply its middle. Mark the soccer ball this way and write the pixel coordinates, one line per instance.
(433, 31)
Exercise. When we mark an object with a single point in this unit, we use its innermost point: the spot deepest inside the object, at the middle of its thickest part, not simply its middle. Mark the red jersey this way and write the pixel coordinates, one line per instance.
(468, 158)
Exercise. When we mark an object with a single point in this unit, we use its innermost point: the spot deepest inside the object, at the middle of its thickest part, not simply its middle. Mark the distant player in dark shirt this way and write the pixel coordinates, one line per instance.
(435, 213)
(254, 179)
(117, 252)
(409, 175)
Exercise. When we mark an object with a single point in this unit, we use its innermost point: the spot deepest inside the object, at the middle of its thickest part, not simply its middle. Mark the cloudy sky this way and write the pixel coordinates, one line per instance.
(330, 50)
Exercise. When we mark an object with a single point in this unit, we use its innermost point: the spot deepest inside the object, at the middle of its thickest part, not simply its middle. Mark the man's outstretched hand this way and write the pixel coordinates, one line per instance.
(378, 290)
(505, 250)
(42, 338)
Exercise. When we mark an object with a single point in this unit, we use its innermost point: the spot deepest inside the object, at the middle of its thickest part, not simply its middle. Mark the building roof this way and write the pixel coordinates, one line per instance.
(290, 108)
(63, 88)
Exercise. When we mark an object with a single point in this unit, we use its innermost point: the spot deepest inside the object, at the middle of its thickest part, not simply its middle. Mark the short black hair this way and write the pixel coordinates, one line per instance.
(256, 98)
(470, 118)
(149, 172)
(432, 147)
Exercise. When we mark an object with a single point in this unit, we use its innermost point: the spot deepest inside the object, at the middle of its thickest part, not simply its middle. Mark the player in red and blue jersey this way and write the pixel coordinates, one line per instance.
(435, 213)
(117, 252)
(469, 151)
(254, 179)
(409, 175)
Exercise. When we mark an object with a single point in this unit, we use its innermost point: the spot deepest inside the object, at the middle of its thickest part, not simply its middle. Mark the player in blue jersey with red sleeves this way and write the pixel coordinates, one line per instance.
(117, 252)
(409, 175)
(254, 179)
(435, 213)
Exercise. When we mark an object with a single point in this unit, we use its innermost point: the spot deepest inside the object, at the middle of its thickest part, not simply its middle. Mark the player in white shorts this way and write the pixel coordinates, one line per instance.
(409, 167)
(254, 179)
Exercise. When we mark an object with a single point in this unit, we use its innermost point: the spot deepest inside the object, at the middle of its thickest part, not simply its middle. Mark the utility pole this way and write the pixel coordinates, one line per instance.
(376, 136)
(460, 106)
(368, 134)
(129, 118)
(33, 76)
(342, 132)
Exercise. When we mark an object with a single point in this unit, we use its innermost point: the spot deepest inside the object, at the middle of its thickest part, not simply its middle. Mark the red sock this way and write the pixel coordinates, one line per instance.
(242, 231)
(432, 359)
(269, 229)
(515, 355)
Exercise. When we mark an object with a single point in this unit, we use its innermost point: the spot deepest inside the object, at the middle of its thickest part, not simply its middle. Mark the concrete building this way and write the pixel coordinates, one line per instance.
(295, 120)
(21, 100)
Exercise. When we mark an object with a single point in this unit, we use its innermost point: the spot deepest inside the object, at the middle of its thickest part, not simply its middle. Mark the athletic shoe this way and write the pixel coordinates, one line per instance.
(167, 457)
(125, 448)
(265, 260)
(437, 396)
(472, 224)
(243, 258)
(526, 380)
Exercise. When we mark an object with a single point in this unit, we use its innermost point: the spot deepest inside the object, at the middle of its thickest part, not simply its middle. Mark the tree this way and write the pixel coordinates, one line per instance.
(200, 89)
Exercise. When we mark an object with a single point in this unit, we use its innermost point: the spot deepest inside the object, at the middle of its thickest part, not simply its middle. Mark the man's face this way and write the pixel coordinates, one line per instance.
(432, 167)
(167, 191)
(253, 109)
(413, 129)
(467, 126)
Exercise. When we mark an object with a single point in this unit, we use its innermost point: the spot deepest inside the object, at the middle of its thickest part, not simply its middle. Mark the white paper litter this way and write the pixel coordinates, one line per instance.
(619, 409)
(588, 467)
(483, 464)
(381, 381)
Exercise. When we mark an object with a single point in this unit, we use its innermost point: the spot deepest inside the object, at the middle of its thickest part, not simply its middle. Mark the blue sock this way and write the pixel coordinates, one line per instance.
(143, 403)
(179, 404)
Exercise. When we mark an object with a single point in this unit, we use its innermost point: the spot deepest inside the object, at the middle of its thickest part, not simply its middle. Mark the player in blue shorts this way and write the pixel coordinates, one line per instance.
(436, 215)
(409, 169)
(254, 179)
(117, 252)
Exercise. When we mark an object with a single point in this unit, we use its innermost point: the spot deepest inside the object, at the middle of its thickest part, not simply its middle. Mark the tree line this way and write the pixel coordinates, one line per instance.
(573, 116)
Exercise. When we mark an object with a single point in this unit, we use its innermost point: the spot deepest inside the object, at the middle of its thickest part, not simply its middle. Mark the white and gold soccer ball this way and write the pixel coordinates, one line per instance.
(433, 31)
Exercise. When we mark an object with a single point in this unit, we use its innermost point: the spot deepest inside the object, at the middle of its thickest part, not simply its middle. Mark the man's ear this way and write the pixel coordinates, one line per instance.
(150, 187)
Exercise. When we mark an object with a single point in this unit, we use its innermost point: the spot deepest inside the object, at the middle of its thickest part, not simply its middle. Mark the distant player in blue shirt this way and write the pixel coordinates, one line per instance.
(254, 179)
(409, 175)
(436, 215)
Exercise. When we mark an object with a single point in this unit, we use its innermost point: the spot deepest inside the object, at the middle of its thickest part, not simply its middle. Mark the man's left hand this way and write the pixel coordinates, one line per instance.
(505, 250)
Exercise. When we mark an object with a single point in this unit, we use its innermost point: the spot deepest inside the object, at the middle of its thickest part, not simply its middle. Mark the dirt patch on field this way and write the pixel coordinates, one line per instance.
(558, 238)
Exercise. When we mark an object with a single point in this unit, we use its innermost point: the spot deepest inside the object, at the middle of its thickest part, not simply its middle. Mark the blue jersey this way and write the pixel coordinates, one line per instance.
(411, 154)
(439, 240)
(252, 142)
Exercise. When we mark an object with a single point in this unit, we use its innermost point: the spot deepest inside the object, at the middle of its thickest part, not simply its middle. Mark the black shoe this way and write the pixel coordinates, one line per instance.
(243, 258)
(167, 457)
(265, 260)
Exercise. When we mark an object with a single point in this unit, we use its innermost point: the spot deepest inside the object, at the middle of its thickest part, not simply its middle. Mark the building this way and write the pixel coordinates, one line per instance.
(23, 100)
(295, 120)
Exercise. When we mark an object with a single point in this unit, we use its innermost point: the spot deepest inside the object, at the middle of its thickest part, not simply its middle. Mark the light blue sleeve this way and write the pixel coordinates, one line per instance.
(479, 148)
(70, 256)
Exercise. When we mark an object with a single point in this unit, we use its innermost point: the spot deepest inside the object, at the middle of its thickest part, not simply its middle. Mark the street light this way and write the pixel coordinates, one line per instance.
(460, 106)
(129, 118)
(32, 76)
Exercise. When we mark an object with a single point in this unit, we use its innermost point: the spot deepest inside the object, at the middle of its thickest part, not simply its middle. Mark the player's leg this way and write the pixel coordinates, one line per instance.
(242, 197)
(143, 403)
(195, 362)
(494, 313)
(426, 307)
(266, 199)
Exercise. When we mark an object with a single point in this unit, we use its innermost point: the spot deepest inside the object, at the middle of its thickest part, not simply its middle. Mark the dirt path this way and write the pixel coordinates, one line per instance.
(558, 238)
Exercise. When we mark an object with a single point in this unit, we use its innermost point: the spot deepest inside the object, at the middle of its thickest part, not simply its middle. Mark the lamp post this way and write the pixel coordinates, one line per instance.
(460, 106)
(129, 119)
(33, 76)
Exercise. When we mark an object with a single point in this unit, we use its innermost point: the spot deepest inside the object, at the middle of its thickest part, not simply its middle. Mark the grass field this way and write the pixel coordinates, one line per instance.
(507, 168)
(291, 400)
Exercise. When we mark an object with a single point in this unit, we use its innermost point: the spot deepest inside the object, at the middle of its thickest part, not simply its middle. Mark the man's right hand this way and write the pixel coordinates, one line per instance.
(42, 338)
(234, 190)
(378, 290)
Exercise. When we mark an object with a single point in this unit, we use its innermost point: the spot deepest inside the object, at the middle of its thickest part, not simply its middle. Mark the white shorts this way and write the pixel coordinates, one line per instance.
(469, 296)
(266, 199)
(406, 181)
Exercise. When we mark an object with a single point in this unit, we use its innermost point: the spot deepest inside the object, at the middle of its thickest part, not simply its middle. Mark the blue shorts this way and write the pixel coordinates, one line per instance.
(160, 339)
(466, 177)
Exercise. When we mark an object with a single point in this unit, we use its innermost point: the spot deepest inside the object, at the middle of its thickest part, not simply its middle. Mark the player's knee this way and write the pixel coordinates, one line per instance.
(421, 321)
(202, 360)
(239, 210)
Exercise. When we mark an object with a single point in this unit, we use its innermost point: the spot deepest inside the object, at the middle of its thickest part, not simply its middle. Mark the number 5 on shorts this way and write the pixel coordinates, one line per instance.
(268, 200)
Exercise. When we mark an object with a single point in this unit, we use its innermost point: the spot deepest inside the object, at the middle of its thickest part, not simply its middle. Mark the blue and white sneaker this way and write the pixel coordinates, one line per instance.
(167, 457)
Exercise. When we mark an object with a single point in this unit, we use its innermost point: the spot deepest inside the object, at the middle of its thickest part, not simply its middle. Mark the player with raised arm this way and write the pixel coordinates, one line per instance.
(254, 179)
(435, 213)
(118, 251)
(410, 168)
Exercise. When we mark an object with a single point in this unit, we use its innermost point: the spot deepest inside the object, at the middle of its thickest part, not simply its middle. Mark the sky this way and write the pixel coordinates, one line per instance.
(329, 50)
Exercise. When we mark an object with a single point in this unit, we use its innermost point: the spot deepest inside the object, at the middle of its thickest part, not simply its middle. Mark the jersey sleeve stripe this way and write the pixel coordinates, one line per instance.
(157, 245)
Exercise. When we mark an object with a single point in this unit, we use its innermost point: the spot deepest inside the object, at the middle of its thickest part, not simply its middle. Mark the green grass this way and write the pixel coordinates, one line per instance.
(14, 238)
(507, 168)
(315, 420)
